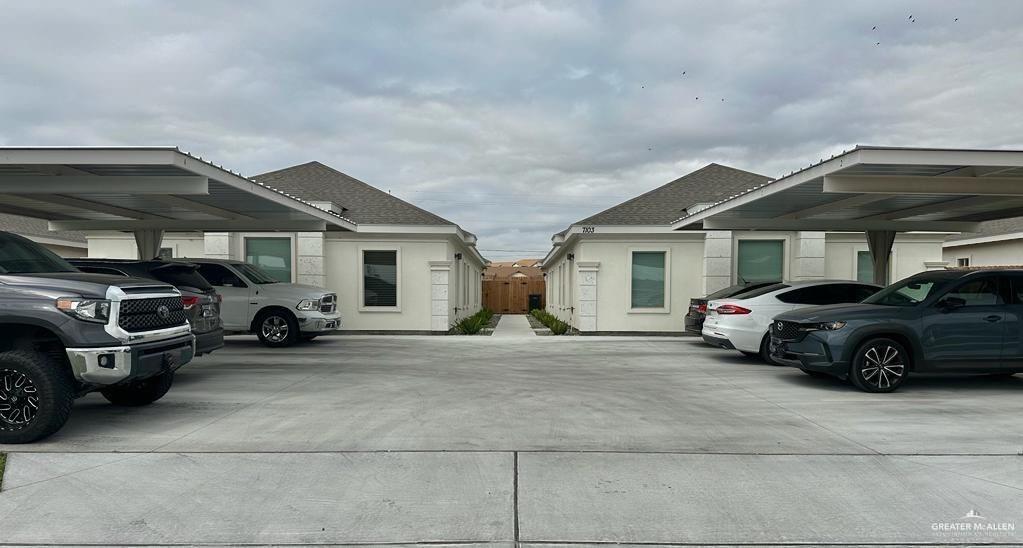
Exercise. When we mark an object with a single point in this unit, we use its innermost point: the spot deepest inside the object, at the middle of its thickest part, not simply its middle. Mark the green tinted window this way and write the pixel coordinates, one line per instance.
(864, 267)
(648, 279)
(761, 260)
(272, 255)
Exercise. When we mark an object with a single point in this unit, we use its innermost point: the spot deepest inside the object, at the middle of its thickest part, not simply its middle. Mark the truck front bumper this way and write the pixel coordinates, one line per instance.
(114, 364)
(319, 323)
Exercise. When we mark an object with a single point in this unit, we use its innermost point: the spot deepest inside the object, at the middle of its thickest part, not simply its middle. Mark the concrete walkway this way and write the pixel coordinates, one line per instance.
(513, 326)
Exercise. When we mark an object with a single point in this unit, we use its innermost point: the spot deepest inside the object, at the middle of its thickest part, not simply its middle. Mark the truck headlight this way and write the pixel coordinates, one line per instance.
(825, 326)
(89, 310)
(308, 304)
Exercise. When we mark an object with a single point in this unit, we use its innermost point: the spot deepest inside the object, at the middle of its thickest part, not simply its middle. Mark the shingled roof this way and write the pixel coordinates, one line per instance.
(663, 205)
(363, 203)
(32, 227)
(1001, 227)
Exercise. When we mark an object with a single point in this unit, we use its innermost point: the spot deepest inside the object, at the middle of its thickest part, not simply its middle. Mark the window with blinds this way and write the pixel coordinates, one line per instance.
(380, 278)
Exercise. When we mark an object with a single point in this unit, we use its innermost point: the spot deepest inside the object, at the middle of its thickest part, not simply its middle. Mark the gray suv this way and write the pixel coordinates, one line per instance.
(66, 333)
(954, 321)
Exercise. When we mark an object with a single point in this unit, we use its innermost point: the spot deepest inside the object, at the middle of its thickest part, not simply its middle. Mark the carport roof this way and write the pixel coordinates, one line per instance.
(138, 188)
(879, 188)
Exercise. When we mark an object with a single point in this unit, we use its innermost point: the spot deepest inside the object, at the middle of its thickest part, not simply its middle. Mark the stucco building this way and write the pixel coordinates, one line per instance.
(626, 270)
(404, 269)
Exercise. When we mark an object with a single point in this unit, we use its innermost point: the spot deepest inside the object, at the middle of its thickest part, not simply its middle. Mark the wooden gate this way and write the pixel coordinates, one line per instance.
(512, 296)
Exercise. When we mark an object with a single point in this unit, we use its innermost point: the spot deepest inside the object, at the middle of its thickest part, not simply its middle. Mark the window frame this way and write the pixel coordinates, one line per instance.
(278, 235)
(786, 246)
(892, 261)
(666, 308)
(362, 307)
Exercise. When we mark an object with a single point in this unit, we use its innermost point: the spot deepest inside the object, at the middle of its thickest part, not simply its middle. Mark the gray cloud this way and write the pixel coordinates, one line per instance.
(512, 118)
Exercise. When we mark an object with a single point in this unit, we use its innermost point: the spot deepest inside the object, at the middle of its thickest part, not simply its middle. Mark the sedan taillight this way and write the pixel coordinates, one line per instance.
(731, 309)
(189, 301)
(702, 308)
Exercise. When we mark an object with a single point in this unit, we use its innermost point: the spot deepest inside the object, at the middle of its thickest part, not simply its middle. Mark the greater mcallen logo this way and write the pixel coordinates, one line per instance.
(975, 523)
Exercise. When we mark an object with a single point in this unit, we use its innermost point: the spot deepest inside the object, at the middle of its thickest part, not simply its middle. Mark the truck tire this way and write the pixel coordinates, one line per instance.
(145, 392)
(277, 328)
(37, 386)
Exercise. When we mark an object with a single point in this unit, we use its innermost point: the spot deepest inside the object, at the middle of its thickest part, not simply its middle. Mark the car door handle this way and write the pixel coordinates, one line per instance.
(992, 318)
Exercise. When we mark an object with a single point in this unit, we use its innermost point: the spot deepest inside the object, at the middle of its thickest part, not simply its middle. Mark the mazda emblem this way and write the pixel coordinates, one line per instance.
(163, 312)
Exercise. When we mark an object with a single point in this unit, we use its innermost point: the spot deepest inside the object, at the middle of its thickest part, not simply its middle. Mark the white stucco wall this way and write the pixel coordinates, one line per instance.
(1003, 253)
(910, 252)
(808, 256)
(334, 262)
(119, 245)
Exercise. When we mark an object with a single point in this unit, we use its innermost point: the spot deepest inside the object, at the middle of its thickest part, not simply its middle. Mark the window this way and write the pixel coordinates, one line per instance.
(272, 255)
(979, 292)
(864, 267)
(220, 276)
(760, 261)
(380, 278)
(963, 261)
(648, 279)
(165, 253)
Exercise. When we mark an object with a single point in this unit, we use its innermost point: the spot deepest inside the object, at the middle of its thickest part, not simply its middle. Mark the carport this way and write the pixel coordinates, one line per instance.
(148, 191)
(879, 191)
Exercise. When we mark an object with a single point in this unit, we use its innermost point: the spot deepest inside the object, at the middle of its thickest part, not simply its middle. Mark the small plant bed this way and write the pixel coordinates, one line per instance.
(548, 321)
(480, 323)
(3, 464)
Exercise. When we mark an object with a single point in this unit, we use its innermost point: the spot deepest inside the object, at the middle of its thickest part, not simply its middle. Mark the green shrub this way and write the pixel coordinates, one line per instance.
(472, 325)
(3, 463)
(552, 322)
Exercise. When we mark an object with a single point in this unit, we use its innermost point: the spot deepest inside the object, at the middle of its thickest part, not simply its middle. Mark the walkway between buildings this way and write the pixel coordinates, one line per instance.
(514, 326)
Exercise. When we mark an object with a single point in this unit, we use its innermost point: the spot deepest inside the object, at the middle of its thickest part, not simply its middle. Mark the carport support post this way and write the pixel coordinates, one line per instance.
(880, 244)
(147, 242)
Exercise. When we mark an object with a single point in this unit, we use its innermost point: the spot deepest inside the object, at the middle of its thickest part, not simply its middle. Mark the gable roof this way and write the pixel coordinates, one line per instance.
(363, 203)
(31, 227)
(664, 204)
(1001, 227)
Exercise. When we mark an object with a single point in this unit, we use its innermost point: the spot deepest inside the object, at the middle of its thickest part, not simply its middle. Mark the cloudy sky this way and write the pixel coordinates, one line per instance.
(513, 119)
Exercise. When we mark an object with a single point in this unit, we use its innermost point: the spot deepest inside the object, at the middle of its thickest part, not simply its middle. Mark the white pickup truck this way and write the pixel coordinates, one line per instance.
(280, 314)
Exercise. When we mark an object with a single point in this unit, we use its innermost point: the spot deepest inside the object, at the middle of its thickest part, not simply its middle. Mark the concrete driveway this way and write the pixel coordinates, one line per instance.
(357, 440)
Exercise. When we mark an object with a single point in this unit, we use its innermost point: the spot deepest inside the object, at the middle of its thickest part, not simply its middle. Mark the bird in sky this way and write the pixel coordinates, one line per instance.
(956, 21)
(875, 27)
(697, 98)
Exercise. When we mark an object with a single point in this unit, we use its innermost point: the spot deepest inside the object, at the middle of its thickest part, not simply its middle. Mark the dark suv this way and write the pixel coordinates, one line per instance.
(201, 301)
(953, 321)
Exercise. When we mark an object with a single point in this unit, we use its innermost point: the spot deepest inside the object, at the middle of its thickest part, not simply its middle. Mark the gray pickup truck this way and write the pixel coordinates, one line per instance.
(65, 333)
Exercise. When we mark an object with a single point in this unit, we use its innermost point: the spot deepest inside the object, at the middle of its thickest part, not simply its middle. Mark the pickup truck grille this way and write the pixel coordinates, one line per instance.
(137, 315)
(328, 304)
(786, 331)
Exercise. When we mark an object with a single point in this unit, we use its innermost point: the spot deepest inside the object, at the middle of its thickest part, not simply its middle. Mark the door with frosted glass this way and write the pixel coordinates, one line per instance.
(760, 261)
(272, 255)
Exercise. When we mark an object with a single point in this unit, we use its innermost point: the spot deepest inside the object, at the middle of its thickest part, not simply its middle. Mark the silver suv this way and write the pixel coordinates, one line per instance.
(280, 314)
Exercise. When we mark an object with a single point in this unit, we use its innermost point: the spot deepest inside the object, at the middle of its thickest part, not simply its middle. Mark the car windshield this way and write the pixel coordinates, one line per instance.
(909, 292)
(253, 273)
(21, 256)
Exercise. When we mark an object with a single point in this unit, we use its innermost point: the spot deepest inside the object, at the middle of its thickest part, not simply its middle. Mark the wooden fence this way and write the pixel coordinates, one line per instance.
(511, 296)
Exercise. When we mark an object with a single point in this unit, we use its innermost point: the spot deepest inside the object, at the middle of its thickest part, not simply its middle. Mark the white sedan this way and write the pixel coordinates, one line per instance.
(742, 322)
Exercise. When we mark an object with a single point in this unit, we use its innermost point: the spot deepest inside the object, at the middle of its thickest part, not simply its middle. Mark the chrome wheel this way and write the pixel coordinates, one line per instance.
(883, 366)
(19, 399)
(275, 329)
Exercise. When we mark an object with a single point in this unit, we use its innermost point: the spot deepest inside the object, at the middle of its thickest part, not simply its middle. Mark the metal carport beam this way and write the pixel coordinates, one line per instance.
(254, 225)
(965, 186)
(98, 184)
(850, 225)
